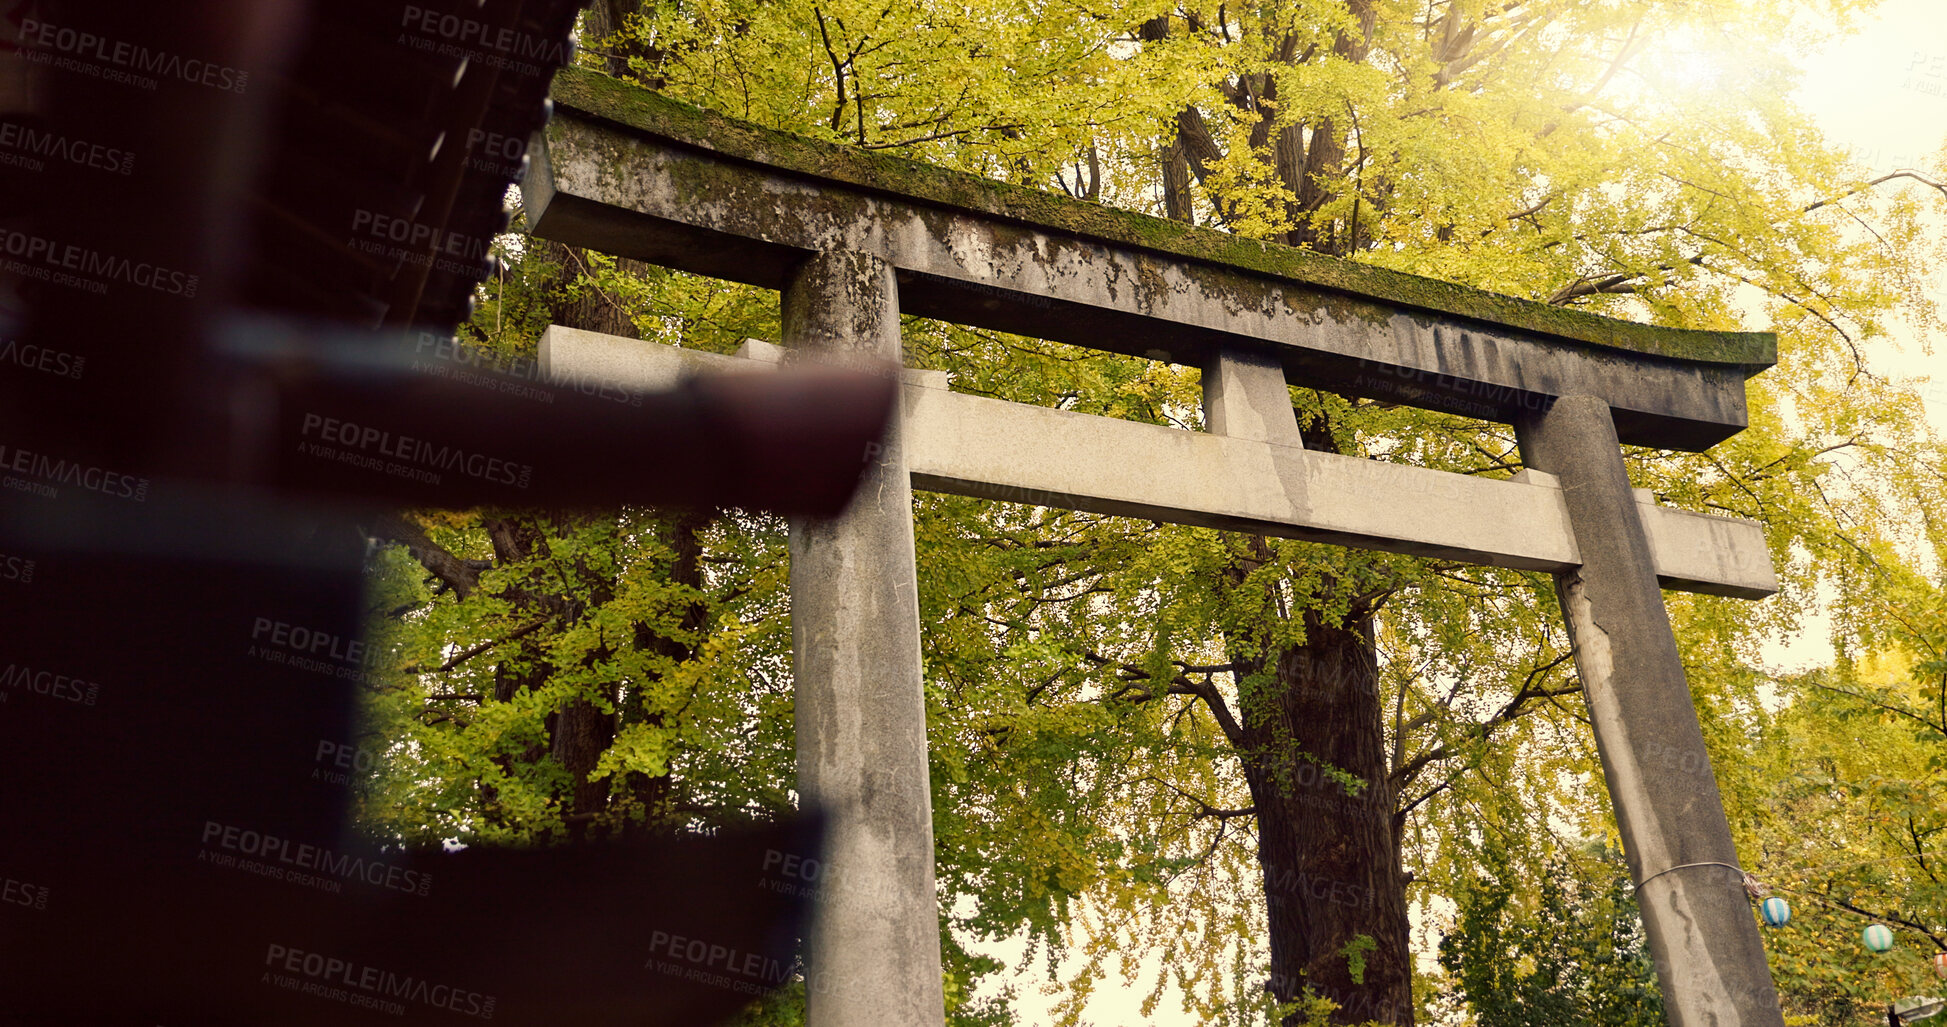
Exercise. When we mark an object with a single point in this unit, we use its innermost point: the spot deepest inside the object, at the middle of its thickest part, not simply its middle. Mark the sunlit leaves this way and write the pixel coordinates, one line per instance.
(1634, 158)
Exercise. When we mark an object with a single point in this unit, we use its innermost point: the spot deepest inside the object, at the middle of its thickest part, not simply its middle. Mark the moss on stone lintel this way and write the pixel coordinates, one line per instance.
(652, 113)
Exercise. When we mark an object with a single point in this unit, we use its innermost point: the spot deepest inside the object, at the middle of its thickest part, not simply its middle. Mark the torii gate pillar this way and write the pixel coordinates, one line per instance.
(874, 953)
(1709, 958)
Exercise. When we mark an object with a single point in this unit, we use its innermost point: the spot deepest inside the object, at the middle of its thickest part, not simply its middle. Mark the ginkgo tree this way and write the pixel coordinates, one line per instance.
(1237, 759)
(1855, 832)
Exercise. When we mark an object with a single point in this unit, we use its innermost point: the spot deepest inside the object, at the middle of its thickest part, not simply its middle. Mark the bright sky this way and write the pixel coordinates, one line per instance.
(1881, 91)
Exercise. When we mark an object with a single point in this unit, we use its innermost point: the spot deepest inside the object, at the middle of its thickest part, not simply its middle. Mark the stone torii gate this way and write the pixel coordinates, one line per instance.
(853, 240)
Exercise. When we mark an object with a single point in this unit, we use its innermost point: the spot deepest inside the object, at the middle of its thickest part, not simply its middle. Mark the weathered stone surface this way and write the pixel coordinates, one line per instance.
(874, 953)
(600, 97)
(972, 445)
(1245, 397)
(1710, 961)
(734, 201)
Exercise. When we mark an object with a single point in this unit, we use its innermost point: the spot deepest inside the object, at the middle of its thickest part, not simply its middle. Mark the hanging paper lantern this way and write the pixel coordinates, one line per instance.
(1776, 912)
(1940, 965)
(1916, 1009)
(1878, 938)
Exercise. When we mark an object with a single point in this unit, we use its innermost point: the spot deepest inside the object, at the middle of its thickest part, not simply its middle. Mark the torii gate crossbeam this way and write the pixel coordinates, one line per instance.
(853, 240)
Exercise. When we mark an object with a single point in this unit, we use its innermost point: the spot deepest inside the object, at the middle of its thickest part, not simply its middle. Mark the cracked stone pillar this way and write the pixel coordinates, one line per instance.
(1710, 961)
(874, 952)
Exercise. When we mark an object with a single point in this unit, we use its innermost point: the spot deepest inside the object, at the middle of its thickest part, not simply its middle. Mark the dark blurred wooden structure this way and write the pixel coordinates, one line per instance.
(312, 192)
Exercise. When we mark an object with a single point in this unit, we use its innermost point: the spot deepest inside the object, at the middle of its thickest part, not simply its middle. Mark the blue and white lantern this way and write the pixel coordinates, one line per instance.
(1776, 912)
(1878, 938)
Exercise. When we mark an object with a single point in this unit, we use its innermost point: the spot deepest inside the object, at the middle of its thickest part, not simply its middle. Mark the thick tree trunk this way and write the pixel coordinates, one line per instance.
(593, 310)
(1323, 173)
(580, 731)
(655, 793)
(529, 668)
(1310, 721)
(580, 734)
(1173, 158)
(1334, 890)
(600, 21)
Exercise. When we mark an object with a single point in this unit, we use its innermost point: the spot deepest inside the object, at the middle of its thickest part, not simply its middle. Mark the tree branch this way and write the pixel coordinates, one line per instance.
(1922, 928)
(458, 574)
(462, 657)
(1179, 685)
(838, 69)
(1204, 809)
(1898, 711)
(1616, 283)
(1863, 186)
(1515, 707)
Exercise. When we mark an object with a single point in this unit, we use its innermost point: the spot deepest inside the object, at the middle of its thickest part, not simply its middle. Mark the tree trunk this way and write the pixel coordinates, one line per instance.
(1309, 717)
(1334, 890)
(656, 793)
(1324, 165)
(600, 21)
(580, 731)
